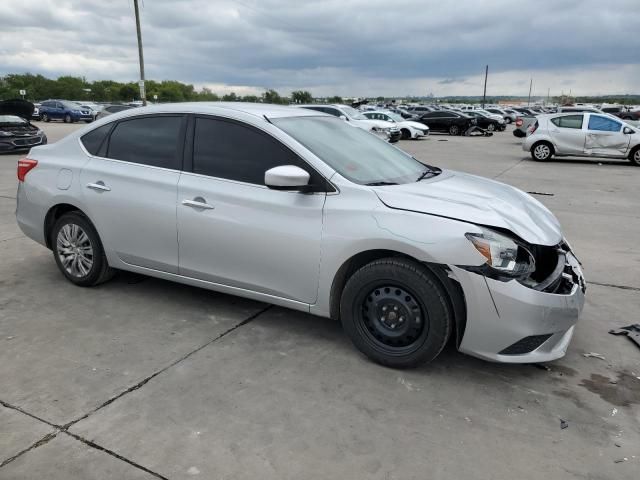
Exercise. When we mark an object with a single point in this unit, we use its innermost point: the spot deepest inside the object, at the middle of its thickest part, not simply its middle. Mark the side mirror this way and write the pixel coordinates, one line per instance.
(344, 118)
(627, 131)
(287, 177)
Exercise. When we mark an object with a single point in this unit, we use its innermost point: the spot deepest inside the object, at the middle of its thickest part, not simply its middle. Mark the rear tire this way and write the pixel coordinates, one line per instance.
(454, 130)
(396, 312)
(507, 120)
(541, 151)
(78, 251)
(67, 118)
(634, 156)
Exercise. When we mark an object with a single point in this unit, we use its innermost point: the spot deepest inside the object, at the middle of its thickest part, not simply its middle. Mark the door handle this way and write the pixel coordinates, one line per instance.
(98, 186)
(198, 202)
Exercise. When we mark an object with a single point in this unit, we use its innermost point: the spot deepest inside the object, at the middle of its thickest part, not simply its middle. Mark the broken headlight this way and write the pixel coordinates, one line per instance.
(505, 257)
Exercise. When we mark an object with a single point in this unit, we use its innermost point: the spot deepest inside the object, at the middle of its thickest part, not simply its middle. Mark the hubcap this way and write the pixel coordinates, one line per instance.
(454, 130)
(491, 127)
(542, 151)
(636, 156)
(392, 316)
(74, 250)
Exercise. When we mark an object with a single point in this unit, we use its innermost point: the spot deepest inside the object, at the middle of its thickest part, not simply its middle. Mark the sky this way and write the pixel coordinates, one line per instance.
(335, 47)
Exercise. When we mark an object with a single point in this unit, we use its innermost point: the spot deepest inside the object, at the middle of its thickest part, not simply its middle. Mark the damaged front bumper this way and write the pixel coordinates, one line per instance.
(511, 322)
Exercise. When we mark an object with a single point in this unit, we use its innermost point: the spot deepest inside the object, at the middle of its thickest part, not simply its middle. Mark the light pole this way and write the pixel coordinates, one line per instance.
(484, 95)
(143, 97)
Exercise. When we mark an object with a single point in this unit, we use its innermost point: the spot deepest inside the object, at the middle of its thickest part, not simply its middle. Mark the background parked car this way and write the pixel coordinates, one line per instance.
(36, 112)
(509, 117)
(64, 110)
(622, 112)
(357, 119)
(408, 129)
(583, 134)
(486, 122)
(16, 132)
(110, 109)
(453, 123)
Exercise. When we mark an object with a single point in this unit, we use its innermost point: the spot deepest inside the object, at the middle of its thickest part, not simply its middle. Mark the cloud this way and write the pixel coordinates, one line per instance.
(346, 47)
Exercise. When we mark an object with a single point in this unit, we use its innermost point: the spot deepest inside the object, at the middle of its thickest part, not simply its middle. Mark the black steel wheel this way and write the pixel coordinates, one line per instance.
(396, 312)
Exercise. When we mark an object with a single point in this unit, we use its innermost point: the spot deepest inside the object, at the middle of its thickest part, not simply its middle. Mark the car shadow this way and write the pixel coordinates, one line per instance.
(622, 162)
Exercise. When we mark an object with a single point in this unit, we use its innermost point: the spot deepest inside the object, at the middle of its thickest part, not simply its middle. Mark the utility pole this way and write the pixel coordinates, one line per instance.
(143, 96)
(530, 86)
(548, 92)
(484, 95)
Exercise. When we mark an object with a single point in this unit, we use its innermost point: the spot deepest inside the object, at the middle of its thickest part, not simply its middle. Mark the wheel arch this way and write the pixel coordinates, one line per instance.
(53, 214)
(456, 298)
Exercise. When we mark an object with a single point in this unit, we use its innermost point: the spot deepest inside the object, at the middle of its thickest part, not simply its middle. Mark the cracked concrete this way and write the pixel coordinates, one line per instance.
(141, 378)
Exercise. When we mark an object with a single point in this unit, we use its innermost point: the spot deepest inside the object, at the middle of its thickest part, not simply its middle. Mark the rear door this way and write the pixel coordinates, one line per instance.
(130, 189)
(567, 134)
(238, 232)
(605, 137)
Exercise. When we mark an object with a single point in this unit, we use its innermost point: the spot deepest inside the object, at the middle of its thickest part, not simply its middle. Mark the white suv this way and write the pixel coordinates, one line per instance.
(583, 134)
(357, 119)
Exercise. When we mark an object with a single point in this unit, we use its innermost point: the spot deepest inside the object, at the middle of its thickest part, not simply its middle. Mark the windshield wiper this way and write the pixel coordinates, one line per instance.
(379, 184)
(428, 173)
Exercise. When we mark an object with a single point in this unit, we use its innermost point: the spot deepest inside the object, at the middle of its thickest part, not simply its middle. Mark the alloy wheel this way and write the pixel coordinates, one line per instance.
(491, 127)
(542, 152)
(75, 251)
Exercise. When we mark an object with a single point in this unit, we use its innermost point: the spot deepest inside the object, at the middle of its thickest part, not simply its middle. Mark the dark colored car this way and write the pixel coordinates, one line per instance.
(453, 123)
(622, 113)
(16, 132)
(525, 111)
(110, 109)
(485, 122)
(420, 109)
(64, 110)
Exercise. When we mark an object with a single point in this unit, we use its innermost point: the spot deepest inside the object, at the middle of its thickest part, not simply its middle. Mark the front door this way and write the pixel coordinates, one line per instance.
(605, 137)
(235, 231)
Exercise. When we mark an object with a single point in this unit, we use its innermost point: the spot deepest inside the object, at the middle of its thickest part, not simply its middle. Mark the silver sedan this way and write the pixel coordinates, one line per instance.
(297, 208)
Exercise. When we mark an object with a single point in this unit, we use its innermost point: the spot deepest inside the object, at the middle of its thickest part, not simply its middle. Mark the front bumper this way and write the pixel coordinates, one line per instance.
(22, 142)
(512, 323)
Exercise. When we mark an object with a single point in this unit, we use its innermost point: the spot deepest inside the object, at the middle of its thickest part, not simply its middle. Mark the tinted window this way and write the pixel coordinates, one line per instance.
(570, 121)
(603, 124)
(433, 115)
(610, 110)
(227, 149)
(93, 140)
(151, 141)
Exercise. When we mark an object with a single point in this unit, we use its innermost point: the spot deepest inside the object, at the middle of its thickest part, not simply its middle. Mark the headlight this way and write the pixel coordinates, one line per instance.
(504, 256)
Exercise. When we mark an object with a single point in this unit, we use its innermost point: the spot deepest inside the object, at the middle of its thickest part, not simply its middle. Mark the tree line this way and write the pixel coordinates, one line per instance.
(40, 88)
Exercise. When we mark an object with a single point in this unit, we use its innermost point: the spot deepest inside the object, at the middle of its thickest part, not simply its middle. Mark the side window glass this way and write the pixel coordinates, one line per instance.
(153, 141)
(231, 150)
(603, 124)
(570, 121)
(95, 139)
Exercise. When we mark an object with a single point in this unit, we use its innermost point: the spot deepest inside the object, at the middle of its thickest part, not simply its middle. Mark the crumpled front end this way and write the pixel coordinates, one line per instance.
(527, 320)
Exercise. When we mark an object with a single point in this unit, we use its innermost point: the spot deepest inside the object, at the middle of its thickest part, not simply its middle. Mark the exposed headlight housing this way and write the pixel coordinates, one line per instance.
(5, 134)
(505, 258)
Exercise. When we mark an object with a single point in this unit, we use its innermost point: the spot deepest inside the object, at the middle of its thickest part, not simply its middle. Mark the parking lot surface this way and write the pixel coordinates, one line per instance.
(142, 378)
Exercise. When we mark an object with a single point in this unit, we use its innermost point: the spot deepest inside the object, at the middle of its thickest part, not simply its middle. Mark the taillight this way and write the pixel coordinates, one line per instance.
(25, 165)
(533, 128)
(519, 122)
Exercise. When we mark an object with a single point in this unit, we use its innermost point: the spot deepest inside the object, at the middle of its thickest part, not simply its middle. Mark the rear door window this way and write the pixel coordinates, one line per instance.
(94, 141)
(154, 141)
(569, 121)
(603, 124)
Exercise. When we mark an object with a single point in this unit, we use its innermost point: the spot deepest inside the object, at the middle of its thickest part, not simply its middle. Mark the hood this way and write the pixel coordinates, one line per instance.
(476, 200)
(17, 107)
(378, 123)
(413, 124)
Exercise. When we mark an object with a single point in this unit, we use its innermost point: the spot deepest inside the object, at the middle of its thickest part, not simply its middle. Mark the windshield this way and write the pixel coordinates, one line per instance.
(353, 152)
(4, 119)
(394, 116)
(353, 113)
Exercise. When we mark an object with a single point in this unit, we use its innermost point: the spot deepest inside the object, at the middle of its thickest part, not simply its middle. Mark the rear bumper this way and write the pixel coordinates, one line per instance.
(511, 323)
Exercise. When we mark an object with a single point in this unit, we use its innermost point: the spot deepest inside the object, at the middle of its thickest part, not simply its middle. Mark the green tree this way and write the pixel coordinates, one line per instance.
(335, 99)
(271, 96)
(301, 96)
(230, 97)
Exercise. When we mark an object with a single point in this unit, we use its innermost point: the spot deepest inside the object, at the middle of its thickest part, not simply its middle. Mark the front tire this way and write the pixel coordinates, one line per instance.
(78, 251)
(45, 118)
(491, 127)
(508, 120)
(396, 312)
(454, 130)
(406, 134)
(541, 151)
(634, 156)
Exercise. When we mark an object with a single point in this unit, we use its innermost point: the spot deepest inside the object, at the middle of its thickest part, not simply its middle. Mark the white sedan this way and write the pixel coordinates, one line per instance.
(408, 128)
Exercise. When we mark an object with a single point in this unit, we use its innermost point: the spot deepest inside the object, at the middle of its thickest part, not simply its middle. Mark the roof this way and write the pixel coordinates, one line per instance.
(256, 109)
